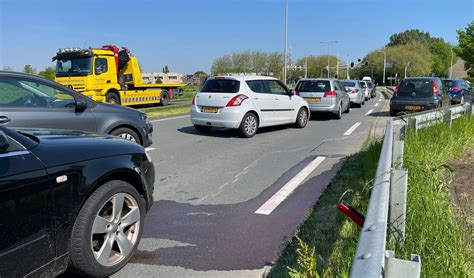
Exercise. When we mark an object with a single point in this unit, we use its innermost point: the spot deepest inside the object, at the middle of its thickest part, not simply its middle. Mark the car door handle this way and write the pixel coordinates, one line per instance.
(277, 98)
(255, 98)
(4, 120)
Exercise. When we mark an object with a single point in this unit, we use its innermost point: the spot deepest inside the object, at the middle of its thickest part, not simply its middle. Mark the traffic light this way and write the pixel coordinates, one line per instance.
(352, 64)
(366, 64)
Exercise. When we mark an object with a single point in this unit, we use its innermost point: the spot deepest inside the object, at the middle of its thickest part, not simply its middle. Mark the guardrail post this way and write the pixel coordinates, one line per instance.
(397, 158)
(447, 117)
(401, 268)
(469, 110)
(398, 205)
(412, 124)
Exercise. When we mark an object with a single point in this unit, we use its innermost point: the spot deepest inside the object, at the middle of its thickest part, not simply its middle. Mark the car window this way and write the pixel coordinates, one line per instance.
(336, 86)
(276, 87)
(348, 83)
(100, 65)
(257, 86)
(421, 87)
(320, 86)
(13, 145)
(218, 85)
(16, 92)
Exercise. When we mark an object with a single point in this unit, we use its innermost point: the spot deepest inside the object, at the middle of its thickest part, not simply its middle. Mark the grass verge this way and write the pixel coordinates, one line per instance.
(434, 230)
(332, 235)
(155, 113)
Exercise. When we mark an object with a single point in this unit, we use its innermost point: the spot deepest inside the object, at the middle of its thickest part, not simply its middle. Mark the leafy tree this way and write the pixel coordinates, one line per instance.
(317, 66)
(166, 70)
(200, 73)
(48, 72)
(222, 65)
(29, 69)
(158, 80)
(465, 50)
(409, 36)
(441, 55)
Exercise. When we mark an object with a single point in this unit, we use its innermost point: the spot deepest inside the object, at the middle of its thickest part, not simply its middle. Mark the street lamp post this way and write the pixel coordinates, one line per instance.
(451, 65)
(329, 60)
(384, 64)
(406, 67)
(286, 41)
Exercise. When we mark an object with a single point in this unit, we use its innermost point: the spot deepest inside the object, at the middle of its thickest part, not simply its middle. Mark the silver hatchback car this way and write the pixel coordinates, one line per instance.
(324, 95)
(356, 91)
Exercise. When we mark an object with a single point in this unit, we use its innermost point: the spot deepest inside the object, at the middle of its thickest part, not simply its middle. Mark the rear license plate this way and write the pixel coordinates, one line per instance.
(313, 99)
(207, 109)
(413, 107)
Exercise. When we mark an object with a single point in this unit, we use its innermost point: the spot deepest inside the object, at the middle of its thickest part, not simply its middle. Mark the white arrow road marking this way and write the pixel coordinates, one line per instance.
(149, 149)
(289, 187)
(350, 130)
(369, 112)
(377, 104)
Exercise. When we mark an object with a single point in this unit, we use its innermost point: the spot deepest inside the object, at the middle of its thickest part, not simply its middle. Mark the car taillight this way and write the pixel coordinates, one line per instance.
(297, 93)
(397, 88)
(455, 88)
(435, 88)
(237, 100)
(193, 102)
(330, 94)
(355, 91)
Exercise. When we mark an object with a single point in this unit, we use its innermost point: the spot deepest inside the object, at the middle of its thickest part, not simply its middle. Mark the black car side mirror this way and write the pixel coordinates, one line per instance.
(291, 92)
(81, 105)
(4, 144)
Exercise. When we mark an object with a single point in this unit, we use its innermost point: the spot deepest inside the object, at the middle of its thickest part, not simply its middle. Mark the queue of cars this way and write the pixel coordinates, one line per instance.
(425, 93)
(247, 103)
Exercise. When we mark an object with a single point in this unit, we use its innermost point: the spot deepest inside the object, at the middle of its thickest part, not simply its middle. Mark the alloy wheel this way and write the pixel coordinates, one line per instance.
(127, 136)
(115, 229)
(250, 125)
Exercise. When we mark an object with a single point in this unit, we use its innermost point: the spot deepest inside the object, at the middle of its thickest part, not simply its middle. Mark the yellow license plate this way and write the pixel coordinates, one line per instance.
(413, 107)
(209, 109)
(313, 99)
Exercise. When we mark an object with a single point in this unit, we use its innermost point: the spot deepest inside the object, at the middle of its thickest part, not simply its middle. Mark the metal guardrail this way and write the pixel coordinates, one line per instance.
(386, 212)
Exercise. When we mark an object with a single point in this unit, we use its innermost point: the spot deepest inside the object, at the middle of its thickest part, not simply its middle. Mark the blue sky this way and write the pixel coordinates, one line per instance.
(187, 35)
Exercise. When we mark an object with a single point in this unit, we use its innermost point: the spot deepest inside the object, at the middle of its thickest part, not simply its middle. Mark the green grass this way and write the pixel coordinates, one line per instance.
(189, 92)
(332, 235)
(434, 230)
(155, 113)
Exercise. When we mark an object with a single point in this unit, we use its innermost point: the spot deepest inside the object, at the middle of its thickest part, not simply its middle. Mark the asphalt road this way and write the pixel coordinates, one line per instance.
(209, 186)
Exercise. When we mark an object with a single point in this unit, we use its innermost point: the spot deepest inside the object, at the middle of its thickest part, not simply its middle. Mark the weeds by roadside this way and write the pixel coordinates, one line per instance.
(167, 111)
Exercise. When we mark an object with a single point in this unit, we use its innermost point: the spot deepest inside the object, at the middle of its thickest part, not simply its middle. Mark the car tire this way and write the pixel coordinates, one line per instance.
(393, 113)
(124, 239)
(128, 134)
(348, 109)
(112, 98)
(339, 112)
(164, 99)
(203, 128)
(302, 118)
(249, 125)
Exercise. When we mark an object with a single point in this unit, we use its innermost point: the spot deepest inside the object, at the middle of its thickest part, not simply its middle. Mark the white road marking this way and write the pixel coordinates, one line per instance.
(350, 130)
(380, 99)
(377, 104)
(149, 149)
(169, 119)
(289, 187)
(369, 112)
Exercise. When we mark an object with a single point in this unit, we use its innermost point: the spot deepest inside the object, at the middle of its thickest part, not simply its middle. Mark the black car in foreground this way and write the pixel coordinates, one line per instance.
(418, 94)
(35, 102)
(70, 200)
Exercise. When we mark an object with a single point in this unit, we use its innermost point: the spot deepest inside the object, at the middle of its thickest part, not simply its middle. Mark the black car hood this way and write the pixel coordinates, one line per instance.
(58, 147)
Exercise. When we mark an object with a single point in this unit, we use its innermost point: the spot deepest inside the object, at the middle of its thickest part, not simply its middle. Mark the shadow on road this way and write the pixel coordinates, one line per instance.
(230, 236)
(229, 133)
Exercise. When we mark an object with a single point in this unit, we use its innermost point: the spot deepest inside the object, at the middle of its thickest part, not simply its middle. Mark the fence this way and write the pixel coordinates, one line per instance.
(387, 205)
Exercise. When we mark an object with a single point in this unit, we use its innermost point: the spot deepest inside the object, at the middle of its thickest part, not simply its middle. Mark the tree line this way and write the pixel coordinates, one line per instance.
(413, 50)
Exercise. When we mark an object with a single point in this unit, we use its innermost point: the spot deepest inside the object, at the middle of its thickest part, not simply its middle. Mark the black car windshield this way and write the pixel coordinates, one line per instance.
(452, 83)
(77, 66)
(218, 85)
(314, 86)
(349, 83)
(420, 87)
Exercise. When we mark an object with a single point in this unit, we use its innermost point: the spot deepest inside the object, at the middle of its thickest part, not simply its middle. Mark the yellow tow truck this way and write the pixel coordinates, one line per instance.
(110, 75)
